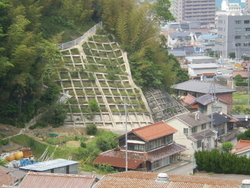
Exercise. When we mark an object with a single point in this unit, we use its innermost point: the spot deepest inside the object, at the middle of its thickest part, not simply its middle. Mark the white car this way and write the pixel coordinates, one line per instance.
(219, 72)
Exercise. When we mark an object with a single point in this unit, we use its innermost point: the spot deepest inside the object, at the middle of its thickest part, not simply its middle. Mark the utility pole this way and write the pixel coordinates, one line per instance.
(126, 134)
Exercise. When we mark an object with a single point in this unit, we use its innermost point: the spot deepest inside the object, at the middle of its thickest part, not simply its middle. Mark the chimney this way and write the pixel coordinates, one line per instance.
(162, 178)
(197, 116)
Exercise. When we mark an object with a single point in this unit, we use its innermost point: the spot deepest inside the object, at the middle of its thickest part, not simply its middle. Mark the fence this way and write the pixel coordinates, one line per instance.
(75, 42)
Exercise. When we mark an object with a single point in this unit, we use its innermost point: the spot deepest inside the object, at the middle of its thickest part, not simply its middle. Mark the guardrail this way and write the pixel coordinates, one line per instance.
(75, 42)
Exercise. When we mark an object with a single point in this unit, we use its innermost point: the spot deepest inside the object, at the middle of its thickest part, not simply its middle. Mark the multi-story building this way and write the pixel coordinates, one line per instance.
(202, 11)
(233, 34)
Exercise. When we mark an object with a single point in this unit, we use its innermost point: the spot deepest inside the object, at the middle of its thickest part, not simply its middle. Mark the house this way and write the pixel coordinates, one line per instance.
(243, 120)
(219, 123)
(193, 131)
(149, 148)
(206, 71)
(243, 73)
(199, 88)
(242, 148)
(189, 101)
(206, 42)
(137, 179)
(180, 39)
(53, 166)
(208, 103)
(52, 180)
(10, 176)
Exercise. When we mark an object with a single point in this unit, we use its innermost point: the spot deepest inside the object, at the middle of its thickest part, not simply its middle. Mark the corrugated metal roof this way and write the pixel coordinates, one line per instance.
(201, 87)
(177, 53)
(147, 179)
(201, 135)
(154, 131)
(203, 65)
(47, 165)
(219, 119)
(190, 58)
(54, 180)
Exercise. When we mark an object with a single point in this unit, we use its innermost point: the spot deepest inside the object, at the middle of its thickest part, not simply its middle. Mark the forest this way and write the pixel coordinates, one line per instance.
(29, 57)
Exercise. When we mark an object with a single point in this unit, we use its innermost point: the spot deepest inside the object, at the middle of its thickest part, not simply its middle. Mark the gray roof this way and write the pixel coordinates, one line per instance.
(190, 58)
(48, 165)
(203, 65)
(241, 116)
(202, 87)
(201, 135)
(177, 53)
(219, 119)
(206, 99)
(193, 119)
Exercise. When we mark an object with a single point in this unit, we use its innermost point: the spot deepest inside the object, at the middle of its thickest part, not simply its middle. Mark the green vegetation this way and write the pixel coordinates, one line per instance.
(91, 129)
(60, 140)
(244, 136)
(227, 146)
(222, 162)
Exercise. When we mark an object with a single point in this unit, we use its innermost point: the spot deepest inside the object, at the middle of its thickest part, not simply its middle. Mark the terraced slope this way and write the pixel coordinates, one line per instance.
(97, 72)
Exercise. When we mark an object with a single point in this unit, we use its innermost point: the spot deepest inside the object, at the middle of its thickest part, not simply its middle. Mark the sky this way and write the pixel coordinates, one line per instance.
(218, 2)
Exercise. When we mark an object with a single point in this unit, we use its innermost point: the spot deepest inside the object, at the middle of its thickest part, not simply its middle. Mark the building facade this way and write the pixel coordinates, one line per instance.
(202, 11)
(233, 34)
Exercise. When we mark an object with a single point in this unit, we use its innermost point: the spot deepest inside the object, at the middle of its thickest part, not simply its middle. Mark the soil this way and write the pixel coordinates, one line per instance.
(8, 130)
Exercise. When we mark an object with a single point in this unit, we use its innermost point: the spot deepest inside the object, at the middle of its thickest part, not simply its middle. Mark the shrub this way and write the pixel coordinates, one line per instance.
(91, 129)
(5, 141)
(227, 146)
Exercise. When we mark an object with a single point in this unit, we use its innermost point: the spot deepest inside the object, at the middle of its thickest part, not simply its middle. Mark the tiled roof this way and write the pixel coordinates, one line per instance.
(193, 119)
(201, 135)
(201, 87)
(188, 100)
(52, 180)
(219, 119)
(138, 179)
(208, 74)
(241, 146)
(243, 73)
(6, 179)
(154, 131)
(117, 157)
(207, 99)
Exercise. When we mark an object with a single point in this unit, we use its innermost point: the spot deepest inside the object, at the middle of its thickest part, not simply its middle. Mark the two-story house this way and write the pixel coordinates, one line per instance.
(193, 131)
(148, 148)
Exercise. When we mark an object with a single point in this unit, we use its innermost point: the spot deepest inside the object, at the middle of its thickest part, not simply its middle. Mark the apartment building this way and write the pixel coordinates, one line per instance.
(233, 34)
(202, 11)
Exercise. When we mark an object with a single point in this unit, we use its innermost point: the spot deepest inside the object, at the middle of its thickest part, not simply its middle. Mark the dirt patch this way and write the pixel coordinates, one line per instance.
(73, 143)
(8, 130)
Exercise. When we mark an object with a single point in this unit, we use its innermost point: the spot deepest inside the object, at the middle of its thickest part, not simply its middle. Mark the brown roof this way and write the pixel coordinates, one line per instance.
(6, 179)
(201, 135)
(242, 145)
(188, 100)
(117, 162)
(243, 73)
(117, 157)
(193, 118)
(154, 131)
(52, 180)
(147, 179)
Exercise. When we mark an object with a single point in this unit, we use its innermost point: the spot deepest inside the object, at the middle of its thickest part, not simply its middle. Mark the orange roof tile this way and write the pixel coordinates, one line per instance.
(147, 179)
(6, 179)
(243, 73)
(154, 131)
(242, 145)
(52, 180)
(188, 100)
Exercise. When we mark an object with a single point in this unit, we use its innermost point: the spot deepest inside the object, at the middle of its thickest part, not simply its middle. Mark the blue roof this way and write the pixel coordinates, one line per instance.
(207, 37)
(48, 165)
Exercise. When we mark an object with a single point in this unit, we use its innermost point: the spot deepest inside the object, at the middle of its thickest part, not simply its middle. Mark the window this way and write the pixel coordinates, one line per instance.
(156, 143)
(185, 130)
(247, 29)
(169, 139)
(237, 21)
(198, 143)
(237, 44)
(245, 44)
(156, 164)
(217, 109)
(246, 21)
(138, 147)
(203, 126)
(237, 29)
(194, 129)
(247, 36)
(237, 37)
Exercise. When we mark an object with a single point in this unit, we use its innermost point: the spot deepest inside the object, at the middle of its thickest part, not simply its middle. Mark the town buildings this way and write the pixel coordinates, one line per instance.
(148, 148)
(202, 11)
(233, 34)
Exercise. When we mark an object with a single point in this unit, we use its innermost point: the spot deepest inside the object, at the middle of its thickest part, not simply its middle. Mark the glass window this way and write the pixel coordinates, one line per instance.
(237, 44)
(194, 129)
(185, 130)
(198, 143)
(246, 22)
(237, 37)
(237, 21)
(203, 126)
(139, 147)
(247, 29)
(237, 29)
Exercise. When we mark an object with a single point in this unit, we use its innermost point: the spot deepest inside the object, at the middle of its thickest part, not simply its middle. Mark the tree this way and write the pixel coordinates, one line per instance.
(162, 10)
(227, 146)
(232, 55)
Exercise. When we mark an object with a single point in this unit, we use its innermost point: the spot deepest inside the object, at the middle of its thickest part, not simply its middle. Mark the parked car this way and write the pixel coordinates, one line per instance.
(219, 72)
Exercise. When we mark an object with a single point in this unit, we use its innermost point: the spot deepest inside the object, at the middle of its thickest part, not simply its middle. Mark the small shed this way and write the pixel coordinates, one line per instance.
(62, 166)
